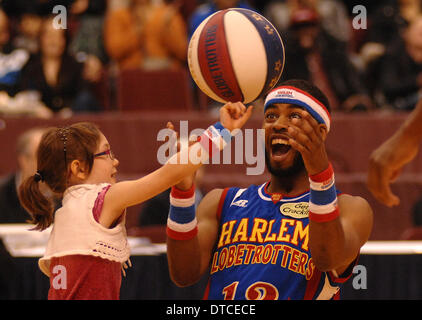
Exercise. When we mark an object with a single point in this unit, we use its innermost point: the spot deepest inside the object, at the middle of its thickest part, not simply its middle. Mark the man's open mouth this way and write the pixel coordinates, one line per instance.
(279, 148)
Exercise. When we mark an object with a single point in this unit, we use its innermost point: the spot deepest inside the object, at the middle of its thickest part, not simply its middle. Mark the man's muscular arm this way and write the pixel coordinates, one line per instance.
(336, 237)
(387, 161)
(189, 259)
(335, 244)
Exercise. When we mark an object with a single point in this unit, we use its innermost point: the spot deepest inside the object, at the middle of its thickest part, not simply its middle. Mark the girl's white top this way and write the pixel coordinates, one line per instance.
(75, 230)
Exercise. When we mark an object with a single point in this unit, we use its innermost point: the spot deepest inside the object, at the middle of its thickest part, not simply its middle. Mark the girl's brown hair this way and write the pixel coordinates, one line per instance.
(57, 149)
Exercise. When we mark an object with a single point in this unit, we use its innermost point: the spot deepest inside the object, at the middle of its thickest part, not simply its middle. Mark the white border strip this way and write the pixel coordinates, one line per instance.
(392, 247)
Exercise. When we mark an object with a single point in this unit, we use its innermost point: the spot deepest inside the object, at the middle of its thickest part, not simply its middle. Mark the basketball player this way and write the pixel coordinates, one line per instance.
(293, 237)
(387, 160)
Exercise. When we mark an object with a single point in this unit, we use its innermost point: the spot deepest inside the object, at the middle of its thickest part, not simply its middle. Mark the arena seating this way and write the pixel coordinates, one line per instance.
(172, 93)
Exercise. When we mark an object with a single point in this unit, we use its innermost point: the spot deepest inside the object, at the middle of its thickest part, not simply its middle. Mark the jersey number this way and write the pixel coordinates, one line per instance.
(256, 291)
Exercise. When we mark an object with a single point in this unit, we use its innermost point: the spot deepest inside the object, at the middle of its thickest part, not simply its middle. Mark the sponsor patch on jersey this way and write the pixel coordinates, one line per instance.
(298, 210)
(240, 203)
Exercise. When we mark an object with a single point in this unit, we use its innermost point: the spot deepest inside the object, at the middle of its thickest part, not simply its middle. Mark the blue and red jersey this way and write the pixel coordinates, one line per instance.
(262, 250)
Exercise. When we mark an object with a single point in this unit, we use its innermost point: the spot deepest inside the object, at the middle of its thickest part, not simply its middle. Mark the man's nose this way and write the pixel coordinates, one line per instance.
(281, 124)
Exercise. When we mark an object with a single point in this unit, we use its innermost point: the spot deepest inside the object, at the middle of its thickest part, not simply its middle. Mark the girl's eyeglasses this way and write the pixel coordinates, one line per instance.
(108, 152)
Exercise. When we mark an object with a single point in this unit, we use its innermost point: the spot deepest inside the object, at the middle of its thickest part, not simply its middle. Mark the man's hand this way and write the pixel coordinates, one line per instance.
(385, 165)
(308, 137)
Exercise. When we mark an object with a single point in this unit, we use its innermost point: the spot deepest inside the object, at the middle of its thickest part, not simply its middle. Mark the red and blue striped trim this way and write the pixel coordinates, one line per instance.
(182, 223)
(323, 204)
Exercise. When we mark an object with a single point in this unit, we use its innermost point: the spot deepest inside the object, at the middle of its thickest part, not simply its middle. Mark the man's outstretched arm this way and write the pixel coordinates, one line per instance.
(387, 160)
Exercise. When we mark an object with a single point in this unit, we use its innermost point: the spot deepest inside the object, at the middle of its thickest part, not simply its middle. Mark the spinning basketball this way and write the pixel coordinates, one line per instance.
(236, 55)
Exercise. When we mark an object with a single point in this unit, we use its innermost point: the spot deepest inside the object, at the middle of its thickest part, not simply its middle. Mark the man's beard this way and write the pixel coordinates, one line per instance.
(287, 176)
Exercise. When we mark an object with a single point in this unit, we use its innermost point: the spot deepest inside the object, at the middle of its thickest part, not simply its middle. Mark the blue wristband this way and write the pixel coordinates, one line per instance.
(225, 133)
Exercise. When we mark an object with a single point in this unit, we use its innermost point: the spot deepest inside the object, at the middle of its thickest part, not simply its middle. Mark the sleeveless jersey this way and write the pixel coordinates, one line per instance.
(262, 250)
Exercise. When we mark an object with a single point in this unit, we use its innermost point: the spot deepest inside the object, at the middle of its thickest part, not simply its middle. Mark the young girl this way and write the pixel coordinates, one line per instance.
(88, 244)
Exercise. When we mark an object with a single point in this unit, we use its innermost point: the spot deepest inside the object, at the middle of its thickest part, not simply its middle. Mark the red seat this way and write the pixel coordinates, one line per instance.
(102, 91)
(154, 90)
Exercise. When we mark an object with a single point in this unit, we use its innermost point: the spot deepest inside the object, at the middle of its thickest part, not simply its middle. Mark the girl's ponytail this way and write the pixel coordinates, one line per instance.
(35, 202)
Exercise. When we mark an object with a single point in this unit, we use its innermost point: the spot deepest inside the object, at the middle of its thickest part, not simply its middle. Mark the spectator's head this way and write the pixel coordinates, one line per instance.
(30, 24)
(26, 151)
(413, 40)
(4, 29)
(304, 24)
(225, 4)
(79, 6)
(53, 41)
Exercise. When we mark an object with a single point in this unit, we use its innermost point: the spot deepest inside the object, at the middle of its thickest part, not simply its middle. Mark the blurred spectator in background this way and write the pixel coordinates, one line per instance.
(27, 33)
(11, 60)
(87, 38)
(146, 35)
(333, 15)
(314, 55)
(386, 29)
(11, 210)
(61, 80)
(210, 7)
(390, 19)
(399, 72)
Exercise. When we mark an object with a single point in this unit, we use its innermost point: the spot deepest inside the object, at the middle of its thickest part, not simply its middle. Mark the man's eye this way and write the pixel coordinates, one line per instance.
(295, 115)
(270, 116)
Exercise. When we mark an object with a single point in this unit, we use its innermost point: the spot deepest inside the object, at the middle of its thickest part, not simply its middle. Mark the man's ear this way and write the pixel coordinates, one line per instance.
(78, 169)
(323, 130)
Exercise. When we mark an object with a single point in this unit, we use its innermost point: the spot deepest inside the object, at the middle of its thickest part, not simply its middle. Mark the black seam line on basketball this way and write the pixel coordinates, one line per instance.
(242, 97)
(213, 84)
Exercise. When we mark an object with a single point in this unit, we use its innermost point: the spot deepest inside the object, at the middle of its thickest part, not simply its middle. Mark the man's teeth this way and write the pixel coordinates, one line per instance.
(279, 141)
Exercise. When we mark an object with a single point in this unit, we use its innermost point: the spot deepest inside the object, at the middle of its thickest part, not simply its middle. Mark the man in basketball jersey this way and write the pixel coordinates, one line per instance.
(293, 237)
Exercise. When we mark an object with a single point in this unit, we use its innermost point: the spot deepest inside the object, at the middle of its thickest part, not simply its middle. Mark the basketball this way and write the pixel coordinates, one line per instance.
(236, 55)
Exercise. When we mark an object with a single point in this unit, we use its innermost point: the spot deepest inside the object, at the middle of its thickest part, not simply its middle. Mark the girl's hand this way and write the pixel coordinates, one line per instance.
(233, 115)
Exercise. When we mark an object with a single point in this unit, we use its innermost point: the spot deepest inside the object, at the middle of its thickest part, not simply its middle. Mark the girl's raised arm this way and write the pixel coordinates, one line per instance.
(128, 193)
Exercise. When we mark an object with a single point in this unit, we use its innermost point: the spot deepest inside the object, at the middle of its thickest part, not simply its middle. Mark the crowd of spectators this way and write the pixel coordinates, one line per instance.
(360, 69)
